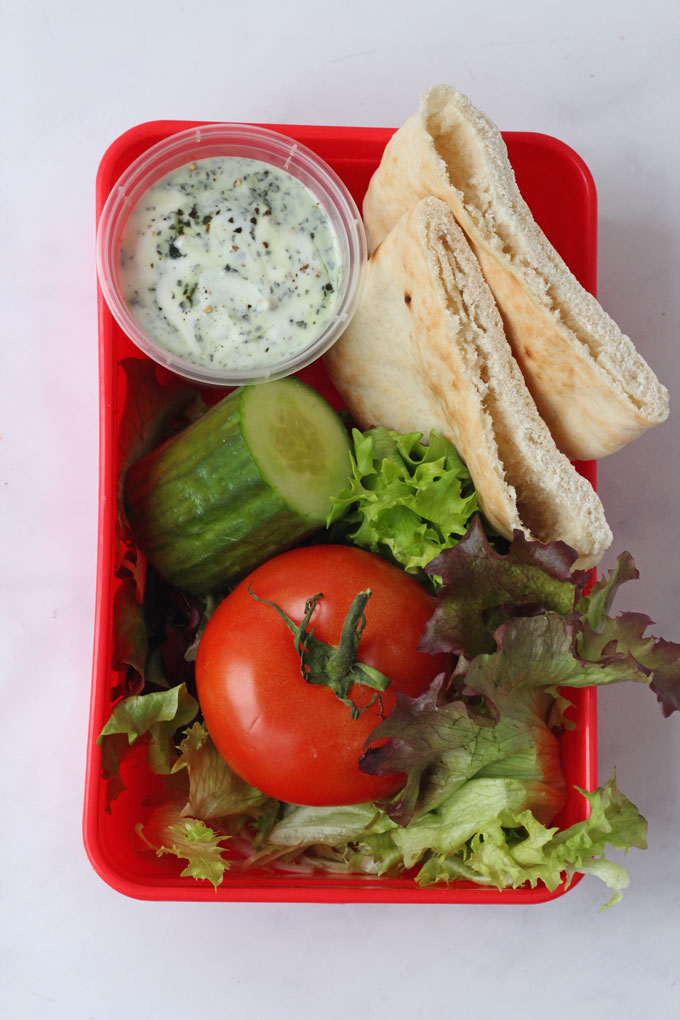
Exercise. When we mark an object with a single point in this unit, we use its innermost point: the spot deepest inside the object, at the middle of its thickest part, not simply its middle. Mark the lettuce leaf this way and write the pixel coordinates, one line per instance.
(514, 848)
(131, 640)
(442, 745)
(194, 821)
(158, 714)
(215, 790)
(481, 588)
(623, 641)
(168, 831)
(405, 500)
(350, 838)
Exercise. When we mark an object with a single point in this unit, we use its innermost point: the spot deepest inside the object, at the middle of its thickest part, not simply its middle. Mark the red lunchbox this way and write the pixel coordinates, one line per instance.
(561, 194)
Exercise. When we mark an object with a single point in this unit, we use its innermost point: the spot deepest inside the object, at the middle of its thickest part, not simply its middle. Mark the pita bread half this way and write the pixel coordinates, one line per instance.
(592, 387)
(426, 350)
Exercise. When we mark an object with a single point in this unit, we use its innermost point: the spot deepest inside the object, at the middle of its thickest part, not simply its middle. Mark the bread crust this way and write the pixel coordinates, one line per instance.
(591, 386)
(426, 351)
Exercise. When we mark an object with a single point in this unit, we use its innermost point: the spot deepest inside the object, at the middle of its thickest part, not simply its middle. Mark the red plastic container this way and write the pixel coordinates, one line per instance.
(560, 191)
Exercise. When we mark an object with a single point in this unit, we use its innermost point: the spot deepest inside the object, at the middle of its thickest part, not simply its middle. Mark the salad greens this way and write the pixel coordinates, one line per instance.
(479, 750)
(405, 500)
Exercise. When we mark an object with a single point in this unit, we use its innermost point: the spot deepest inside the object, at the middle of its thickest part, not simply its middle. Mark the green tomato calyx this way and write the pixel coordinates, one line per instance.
(337, 668)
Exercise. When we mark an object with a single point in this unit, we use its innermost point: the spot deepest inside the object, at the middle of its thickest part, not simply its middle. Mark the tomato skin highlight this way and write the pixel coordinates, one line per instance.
(292, 740)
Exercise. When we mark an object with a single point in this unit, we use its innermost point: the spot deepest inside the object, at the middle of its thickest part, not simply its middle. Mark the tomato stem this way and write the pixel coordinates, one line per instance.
(342, 658)
(335, 667)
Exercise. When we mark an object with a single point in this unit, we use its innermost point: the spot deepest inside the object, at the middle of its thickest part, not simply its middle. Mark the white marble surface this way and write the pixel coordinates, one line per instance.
(603, 77)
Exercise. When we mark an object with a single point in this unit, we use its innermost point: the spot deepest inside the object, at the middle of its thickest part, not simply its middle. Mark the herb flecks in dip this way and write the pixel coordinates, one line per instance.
(230, 263)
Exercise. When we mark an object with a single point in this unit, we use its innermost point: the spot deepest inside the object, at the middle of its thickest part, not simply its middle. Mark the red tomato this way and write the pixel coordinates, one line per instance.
(292, 740)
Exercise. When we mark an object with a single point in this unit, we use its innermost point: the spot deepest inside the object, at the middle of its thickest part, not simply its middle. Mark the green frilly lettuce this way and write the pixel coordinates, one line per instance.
(483, 834)
(405, 500)
(213, 794)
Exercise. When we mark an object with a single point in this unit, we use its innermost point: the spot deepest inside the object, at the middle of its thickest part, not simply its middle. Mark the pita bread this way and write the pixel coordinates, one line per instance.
(426, 350)
(592, 388)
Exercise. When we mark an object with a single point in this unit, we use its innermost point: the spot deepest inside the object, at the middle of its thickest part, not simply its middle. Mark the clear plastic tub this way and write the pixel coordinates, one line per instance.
(249, 142)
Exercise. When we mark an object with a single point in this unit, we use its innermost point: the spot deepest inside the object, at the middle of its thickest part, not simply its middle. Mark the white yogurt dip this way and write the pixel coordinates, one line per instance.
(230, 263)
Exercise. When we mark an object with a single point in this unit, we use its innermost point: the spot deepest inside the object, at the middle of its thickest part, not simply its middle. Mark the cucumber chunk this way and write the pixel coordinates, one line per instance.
(252, 477)
(300, 449)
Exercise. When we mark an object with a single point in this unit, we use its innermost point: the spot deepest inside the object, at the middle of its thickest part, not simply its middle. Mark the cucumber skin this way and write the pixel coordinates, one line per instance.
(200, 510)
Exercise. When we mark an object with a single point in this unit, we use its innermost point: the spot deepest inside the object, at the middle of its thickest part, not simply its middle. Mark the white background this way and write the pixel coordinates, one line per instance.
(603, 77)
